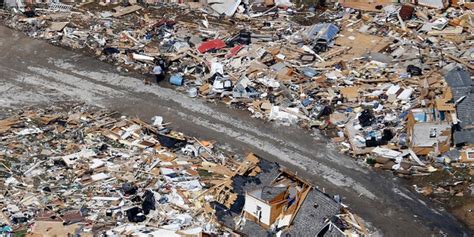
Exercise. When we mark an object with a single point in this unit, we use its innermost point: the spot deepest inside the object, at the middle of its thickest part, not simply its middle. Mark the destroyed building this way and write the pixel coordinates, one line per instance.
(90, 172)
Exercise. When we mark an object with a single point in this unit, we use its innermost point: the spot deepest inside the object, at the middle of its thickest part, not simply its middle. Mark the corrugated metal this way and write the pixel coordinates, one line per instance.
(324, 32)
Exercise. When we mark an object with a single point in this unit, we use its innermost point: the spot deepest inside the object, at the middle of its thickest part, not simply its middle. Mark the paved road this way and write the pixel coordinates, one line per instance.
(33, 72)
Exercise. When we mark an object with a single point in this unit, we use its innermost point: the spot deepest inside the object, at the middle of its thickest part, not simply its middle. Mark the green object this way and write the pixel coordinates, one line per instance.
(370, 161)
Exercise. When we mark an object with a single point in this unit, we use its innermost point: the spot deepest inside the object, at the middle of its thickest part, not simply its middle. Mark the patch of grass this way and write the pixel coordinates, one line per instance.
(20, 233)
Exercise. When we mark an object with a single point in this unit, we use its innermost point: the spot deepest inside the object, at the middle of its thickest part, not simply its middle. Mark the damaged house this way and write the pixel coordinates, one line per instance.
(427, 132)
(277, 202)
(448, 120)
(429, 128)
(289, 206)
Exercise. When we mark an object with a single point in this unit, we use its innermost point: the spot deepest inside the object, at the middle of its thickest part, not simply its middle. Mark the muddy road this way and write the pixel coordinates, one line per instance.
(32, 72)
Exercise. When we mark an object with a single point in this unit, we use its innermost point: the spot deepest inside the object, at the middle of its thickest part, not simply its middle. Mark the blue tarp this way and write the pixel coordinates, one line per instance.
(420, 117)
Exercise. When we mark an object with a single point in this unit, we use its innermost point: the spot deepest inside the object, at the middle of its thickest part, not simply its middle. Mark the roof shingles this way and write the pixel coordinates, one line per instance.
(461, 85)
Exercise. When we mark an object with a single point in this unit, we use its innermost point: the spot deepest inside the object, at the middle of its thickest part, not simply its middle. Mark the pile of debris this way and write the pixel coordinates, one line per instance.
(388, 82)
(93, 173)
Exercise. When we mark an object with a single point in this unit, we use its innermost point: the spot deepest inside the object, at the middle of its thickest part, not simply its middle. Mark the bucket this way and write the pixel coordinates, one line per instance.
(192, 92)
(176, 80)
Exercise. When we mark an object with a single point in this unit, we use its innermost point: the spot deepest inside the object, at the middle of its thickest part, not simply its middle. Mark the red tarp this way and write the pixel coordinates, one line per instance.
(211, 44)
(234, 51)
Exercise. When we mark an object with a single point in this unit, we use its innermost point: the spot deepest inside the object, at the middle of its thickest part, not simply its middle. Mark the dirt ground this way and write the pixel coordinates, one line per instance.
(465, 213)
(451, 189)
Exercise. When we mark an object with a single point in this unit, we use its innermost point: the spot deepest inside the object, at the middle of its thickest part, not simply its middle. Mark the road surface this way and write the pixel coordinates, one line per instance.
(32, 72)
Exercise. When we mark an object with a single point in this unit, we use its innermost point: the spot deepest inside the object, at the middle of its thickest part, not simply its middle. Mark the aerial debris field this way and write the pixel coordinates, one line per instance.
(388, 83)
